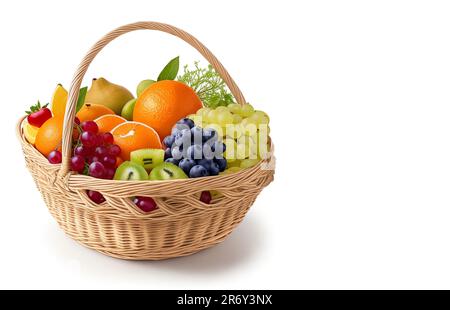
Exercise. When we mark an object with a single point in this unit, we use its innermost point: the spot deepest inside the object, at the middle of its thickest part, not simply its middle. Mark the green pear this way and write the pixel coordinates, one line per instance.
(143, 86)
(108, 94)
(127, 110)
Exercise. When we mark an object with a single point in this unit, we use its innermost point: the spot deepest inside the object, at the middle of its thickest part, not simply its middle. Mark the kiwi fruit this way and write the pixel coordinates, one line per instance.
(130, 171)
(148, 158)
(167, 171)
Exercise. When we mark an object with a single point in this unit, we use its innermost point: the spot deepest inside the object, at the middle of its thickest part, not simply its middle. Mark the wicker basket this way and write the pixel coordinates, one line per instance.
(181, 225)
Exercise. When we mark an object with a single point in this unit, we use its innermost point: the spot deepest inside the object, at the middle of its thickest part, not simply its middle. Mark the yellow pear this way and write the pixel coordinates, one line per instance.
(108, 94)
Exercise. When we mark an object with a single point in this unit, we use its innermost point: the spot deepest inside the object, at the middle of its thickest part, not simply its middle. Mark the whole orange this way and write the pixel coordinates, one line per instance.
(163, 103)
(132, 136)
(91, 111)
(49, 135)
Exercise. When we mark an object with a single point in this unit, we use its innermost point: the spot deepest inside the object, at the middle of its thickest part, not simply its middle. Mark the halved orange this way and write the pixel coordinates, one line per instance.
(132, 136)
(107, 122)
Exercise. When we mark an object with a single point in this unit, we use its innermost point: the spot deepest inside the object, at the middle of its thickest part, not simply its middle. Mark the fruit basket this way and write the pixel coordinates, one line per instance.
(181, 225)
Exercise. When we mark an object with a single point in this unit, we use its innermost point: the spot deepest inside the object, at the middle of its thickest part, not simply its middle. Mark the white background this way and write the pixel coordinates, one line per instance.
(358, 94)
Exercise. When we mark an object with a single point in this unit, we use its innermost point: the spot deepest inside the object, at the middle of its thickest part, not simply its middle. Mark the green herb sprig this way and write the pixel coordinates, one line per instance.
(208, 85)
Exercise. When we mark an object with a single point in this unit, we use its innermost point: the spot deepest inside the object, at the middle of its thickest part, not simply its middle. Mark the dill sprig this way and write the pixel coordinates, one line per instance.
(208, 85)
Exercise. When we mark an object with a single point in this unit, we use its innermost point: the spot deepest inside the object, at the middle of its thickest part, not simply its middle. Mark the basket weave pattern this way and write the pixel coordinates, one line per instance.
(181, 225)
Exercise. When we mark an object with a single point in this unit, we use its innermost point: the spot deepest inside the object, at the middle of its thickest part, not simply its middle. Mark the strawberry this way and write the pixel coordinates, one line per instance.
(38, 115)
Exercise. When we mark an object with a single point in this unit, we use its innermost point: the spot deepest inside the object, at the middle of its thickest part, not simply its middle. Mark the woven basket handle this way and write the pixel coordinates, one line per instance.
(84, 65)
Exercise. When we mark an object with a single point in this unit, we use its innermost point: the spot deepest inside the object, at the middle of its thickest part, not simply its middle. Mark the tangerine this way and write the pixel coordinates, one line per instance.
(107, 122)
(163, 103)
(132, 136)
(91, 111)
(49, 136)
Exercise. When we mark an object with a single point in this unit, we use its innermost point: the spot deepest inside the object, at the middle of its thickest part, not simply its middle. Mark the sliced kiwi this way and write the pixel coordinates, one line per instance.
(167, 171)
(129, 171)
(148, 158)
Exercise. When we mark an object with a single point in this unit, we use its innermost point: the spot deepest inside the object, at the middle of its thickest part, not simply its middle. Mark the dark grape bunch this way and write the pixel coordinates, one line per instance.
(195, 150)
(95, 153)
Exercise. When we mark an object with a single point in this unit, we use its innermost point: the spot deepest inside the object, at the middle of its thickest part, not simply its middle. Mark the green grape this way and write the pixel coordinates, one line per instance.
(248, 141)
(246, 110)
(222, 109)
(265, 119)
(242, 151)
(234, 108)
(233, 131)
(224, 118)
(218, 128)
(230, 152)
(203, 112)
(234, 163)
(262, 142)
(250, 144)
(253, 119)
(258, 118)
(237, 118)
(231, 169)
(198, 120)
(212, 116)
(247, 163)
(249, 129)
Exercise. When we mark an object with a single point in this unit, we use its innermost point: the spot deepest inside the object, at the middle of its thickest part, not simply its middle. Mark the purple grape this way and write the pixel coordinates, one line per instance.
(222, 163)
(77, 163)
(167, 153)
(194, 152)
(88, 139)
(168, 141)
(184, 123)
(101, 151)
(172, 161)
(55, 157)
(96, 197)
(109, 161)
(198, 171)
(96, 169)
(186, 164)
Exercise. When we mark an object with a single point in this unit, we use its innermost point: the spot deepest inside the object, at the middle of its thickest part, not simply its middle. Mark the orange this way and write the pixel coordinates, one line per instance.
(132, 136)
(107, 122)
(49, 136)
(163, 103)
(91, 111)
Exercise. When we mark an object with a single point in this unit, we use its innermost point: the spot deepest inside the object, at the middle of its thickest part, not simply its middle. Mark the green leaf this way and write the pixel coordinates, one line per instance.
(170, 71)
(81, 98)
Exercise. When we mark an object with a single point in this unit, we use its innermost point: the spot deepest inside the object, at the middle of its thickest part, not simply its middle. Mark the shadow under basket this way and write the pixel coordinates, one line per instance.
(181, 225)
